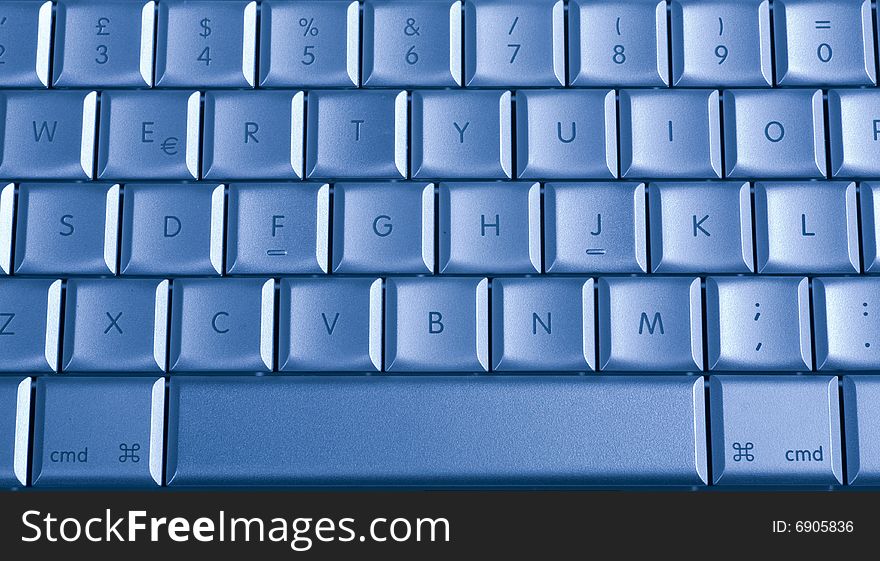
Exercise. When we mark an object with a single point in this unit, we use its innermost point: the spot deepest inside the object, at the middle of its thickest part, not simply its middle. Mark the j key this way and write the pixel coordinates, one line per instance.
(869, 195)
(514, 43)
(617, 42)
(25, 43)
(861, 415)
(854, 132)
(701, 227)
(437, 430)
(758, 323)
(721, 43)
(846, 327)
(415, 44)
(806, 227)
(149, 135)
(104, 43)
(98, 432)
(595, 228)
(203, 43)
(774, 133)
(115, 325)
(775, 430)
(824, 42)
(15, 406)
(30, 324)
(309, 43)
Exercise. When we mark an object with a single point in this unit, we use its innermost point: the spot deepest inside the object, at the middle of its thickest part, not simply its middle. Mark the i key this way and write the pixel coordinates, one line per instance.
(25, 44)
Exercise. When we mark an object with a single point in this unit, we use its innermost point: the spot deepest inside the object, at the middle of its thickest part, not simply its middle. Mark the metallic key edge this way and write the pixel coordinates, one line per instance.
(44, 42)
(87, 146)
(53, 325)
(353, 40)
(218, 203)
(111, 228)
(7, 222)
(22, 430)
(267, 323)
(375, 336)
(455, 42)
(160, 325)
(297, 130)
(482, 323)
(322, 223)
(148, 27)
(193, 133)
(428, 212)
(157, 429)
(249, 44)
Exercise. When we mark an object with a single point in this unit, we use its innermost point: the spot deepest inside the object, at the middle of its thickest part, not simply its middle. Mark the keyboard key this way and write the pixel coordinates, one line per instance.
(617, 42)
(774, 133)
(203, 44)
(66, 229)
(722, 43)
(701, 227)
(25, 43)
(98, 432)
(775, 430)
(869, 201)
(854, 132)
(104, 43)
(278, 228)
(436, 324)
(490, 227)
(514, 43)
(172, 229)
(15, 413)
(249, 135)
(30, 324)
(309, 43)
(116, 325)
(383, 228)
(670, 134)
(356, 134)
(861, 407)
(439, 430)
(567, 134)
(824, 42)
(149, 135)
(461, 135)
(845, 325)
(48, 135)
(330, 324)
(758, 323)
(595, 228)
(416, 44)
(536, 324)
(806, 227)
(650, 324)
(223, 325)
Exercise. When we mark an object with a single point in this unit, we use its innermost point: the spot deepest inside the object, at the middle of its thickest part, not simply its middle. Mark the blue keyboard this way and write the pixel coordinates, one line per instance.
(439, 243)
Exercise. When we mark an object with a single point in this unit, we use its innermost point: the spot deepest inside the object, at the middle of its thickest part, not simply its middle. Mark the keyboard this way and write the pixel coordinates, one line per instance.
(439, 243)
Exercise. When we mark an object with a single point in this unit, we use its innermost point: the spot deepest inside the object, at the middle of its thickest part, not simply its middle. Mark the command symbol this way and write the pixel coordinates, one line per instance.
(743, 452)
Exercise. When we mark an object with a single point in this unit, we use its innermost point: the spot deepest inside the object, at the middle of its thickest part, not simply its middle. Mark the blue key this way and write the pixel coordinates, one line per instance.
(278, 228)
(26, 37)
(775, 430)
(824, 42)
(172, 229)
(514, 43)
(104, 43)
(670, 134)
(66, 229)
(436, 431)
(202, 43)
(567, 134)
(774, 133)
(383, 228)
(416, 44)
(249, 135)
(543, 324)
(436, 324)
(650, 324)
(149, 135)
(758, 323)
(98, 432)
(846, 326)
(48, 135)
(356, 134)
(870, 215)
(30, 324)
(854, 132)
(595, 227)
(115, 325)
(806, 227)
(705, 227)
(330, 324)
(309, 43)
(490, 227)
(617, 42)
(721, 43)
(461, 135)
(15, 414)
(223, 325)
(861, 421)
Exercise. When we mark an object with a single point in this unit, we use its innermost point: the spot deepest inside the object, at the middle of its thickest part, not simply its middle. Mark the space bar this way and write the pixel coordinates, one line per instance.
(436, 431)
